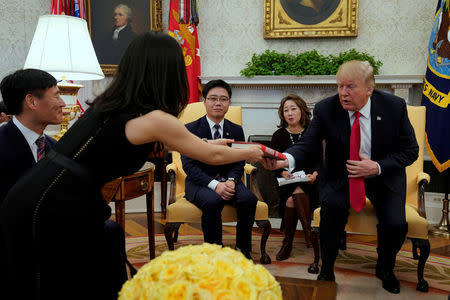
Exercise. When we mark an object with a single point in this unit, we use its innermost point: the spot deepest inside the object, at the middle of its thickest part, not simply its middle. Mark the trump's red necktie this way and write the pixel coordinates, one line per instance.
(356, 185)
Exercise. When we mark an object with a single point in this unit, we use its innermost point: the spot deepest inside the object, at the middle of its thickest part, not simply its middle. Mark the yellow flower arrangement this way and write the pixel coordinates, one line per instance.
(201, 272)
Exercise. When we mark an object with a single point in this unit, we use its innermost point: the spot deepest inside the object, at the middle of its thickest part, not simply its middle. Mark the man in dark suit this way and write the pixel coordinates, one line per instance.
(386, 145)
(211, 187)
(32, 96)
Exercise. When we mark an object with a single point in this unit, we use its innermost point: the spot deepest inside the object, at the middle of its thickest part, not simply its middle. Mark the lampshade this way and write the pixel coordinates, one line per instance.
(62, 46)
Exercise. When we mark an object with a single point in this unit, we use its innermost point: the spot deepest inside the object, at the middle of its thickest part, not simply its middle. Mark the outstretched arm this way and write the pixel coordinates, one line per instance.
(163, 127)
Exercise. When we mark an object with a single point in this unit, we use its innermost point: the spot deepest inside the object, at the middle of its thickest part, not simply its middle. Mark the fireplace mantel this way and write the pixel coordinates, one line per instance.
(264, 82)
(260, 96)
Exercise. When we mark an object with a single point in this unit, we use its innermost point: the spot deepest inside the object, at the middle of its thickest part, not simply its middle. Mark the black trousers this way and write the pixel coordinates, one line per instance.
(212, 204)
(390, 211)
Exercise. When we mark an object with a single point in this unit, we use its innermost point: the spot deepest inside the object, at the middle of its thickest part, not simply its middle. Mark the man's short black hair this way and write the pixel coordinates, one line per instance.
(216, 83)
(17, 85)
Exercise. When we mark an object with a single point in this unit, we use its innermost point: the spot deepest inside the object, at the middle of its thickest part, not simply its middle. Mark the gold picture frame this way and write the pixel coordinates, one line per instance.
(310, 18)
(144, 15)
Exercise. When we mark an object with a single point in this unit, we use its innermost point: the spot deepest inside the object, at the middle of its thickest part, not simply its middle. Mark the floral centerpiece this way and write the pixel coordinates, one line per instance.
(201, 272)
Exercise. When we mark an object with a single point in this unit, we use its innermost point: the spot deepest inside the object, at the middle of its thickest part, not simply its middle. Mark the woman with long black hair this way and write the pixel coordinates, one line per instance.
(53, 241)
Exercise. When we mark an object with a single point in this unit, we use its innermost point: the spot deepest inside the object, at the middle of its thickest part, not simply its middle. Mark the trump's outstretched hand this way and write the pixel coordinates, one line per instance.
(274, 164)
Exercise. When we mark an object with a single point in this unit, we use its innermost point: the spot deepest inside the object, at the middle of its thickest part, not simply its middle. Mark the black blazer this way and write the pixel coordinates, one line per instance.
(394, 144)
(15, 156)
(200, 174)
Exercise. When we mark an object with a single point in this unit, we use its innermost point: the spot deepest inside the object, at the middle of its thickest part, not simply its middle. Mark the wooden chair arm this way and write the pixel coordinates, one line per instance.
(254, 188)
(421, 197)
(423, 176)
(171, 167)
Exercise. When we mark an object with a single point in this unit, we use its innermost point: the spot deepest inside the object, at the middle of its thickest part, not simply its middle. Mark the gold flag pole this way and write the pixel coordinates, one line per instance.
(443, 228)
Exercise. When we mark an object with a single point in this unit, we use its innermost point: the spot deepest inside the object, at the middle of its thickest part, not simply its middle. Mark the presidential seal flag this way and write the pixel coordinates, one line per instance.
(436, 89)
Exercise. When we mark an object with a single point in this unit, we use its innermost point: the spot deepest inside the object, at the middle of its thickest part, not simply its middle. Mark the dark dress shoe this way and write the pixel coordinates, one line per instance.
(390, 282)
(245, 252)
(326, 277)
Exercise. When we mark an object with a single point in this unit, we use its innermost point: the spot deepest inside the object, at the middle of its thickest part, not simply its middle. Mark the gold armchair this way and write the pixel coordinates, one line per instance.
(365, 221)
(181, 211)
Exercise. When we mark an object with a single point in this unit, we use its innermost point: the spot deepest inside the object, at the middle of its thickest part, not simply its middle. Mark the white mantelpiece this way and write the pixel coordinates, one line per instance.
(260, 96)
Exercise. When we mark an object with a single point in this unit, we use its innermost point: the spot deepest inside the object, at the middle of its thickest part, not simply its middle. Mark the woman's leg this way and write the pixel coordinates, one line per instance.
(290, 224)
(301, 203)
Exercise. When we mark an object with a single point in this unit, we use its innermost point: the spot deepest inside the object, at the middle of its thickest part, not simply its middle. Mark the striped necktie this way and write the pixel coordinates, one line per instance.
(40, 142)
(217, 132)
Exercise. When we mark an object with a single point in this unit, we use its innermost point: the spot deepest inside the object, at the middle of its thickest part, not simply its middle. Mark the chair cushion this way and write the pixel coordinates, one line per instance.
(365, 221)
(185, 212)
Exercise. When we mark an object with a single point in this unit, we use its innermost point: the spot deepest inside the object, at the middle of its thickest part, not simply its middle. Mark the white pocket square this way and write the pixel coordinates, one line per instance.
(378, 118)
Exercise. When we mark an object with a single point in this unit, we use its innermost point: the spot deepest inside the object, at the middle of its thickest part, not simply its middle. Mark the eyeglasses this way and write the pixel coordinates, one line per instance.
(222, 99)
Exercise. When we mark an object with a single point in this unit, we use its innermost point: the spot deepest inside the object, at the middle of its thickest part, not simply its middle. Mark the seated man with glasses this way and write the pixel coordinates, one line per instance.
(211, 187)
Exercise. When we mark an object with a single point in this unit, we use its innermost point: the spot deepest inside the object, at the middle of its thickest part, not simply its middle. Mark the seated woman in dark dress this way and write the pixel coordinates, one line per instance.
(53, 242)
(297, 200)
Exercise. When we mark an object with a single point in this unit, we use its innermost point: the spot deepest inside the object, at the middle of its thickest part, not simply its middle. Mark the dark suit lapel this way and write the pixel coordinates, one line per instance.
(49, 142)
(19, 143)
(343, 123)
(227, 134)
(205, 130)
(376, 119)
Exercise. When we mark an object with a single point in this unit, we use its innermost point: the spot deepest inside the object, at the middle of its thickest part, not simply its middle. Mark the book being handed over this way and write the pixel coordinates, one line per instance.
(268, 152)
(299, 176)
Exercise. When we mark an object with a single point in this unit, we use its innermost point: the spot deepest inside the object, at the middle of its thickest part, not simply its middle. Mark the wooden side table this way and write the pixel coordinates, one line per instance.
(302, 289)
(130, 187)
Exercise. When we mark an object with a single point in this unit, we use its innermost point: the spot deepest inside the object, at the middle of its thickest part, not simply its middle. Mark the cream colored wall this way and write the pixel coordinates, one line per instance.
(230, 31)
(394, 31)
(18, 20)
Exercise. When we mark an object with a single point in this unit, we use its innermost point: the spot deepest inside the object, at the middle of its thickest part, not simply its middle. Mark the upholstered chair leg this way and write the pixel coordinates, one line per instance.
(266, 227)
(424, 247)
(175, 234)
(314, 267)
(169, 230)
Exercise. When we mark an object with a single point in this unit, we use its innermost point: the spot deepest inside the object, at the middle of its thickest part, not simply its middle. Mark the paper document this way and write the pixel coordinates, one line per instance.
(299, 176)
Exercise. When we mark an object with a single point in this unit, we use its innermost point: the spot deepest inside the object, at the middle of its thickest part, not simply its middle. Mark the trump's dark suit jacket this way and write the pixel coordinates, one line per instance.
(15, 156)
(394, 144)
(200, 174)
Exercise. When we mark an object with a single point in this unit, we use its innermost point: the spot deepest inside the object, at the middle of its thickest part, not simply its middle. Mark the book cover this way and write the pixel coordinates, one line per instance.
(268, 152)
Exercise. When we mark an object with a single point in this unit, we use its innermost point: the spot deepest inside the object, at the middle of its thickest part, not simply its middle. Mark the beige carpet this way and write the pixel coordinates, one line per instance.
(355, 267)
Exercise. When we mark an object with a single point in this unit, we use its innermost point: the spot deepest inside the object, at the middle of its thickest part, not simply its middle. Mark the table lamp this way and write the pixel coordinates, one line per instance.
(62, 46)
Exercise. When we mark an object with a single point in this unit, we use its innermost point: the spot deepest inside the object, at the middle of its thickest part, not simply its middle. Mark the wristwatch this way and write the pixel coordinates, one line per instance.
(232, 179)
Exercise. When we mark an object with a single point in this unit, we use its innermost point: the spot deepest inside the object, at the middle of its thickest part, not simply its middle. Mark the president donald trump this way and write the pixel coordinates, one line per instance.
(369, 142)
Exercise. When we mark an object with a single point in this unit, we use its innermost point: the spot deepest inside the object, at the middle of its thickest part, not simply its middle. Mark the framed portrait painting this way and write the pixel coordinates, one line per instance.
(113, 24)
(310, 18)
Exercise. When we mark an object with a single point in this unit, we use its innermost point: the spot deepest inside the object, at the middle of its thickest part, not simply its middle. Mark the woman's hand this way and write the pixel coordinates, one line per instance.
(287, 175)
(255, 154)
(312, 177)
(222, 142)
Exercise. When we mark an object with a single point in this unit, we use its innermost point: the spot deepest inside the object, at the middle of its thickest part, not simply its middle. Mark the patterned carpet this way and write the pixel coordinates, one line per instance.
(355, 267)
